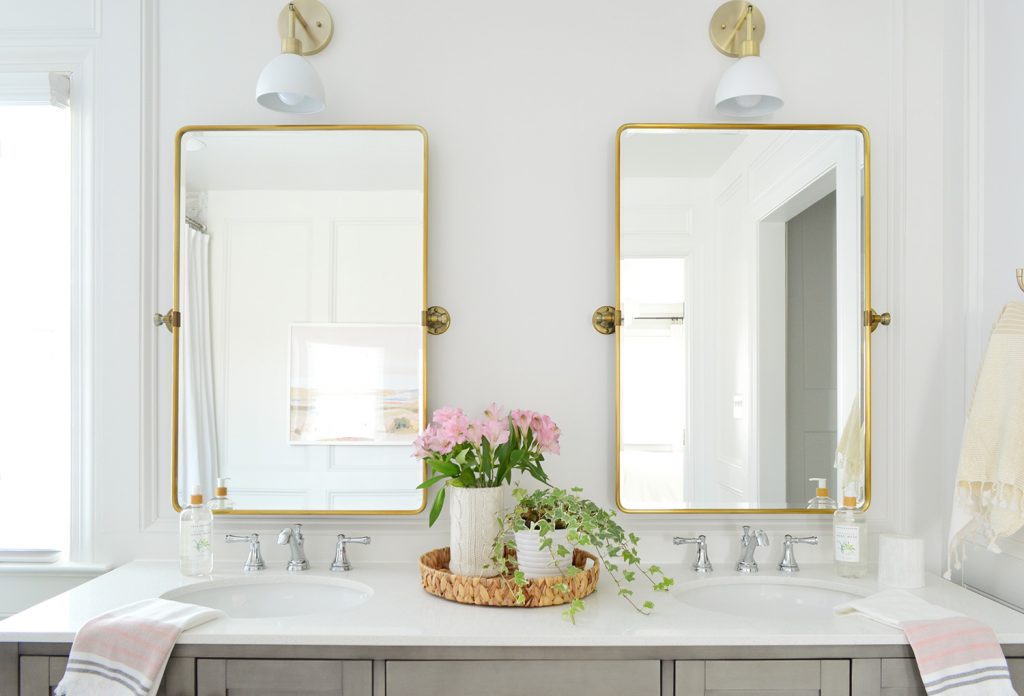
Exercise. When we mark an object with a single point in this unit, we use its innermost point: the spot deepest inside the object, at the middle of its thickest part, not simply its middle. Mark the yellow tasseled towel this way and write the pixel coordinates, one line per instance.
(850, 453)
(989, 495)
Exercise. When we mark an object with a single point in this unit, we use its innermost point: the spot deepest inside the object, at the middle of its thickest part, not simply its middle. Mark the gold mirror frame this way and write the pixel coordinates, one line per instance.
(176, 308)
(866, 330)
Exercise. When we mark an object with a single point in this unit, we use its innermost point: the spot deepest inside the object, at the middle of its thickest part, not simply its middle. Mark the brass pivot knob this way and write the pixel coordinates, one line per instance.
(437, 320)
(605, 319)
(873, 319)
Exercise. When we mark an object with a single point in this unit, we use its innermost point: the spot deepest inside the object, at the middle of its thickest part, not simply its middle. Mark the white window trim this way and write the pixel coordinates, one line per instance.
(78, 62)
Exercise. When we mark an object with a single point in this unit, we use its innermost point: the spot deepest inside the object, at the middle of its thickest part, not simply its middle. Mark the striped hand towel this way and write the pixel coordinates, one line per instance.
(956, 655)
(124, 652)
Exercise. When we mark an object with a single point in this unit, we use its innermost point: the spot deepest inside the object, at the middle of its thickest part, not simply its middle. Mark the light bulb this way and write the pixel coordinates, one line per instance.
(291, 98)
(747, 101)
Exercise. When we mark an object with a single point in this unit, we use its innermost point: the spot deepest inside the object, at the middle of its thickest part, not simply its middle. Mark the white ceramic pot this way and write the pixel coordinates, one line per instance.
(475, 523)
(538, 563)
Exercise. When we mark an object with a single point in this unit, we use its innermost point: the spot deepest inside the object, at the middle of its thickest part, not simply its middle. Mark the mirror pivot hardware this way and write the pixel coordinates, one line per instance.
(171, 320)
(605, 319)
(872, 319)
(436, 319)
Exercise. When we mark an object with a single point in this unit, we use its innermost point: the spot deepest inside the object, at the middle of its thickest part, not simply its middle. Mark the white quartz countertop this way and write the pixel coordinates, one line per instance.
(400, 613)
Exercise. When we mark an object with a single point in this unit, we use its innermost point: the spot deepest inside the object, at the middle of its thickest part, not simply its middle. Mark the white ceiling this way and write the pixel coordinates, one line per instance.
(695, 154)
(386, 160)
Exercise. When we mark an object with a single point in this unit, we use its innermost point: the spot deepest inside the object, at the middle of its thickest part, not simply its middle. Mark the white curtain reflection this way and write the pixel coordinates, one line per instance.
(198, 458)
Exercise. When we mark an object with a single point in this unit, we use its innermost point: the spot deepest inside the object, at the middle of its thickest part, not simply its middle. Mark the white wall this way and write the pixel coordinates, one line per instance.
(521, 102)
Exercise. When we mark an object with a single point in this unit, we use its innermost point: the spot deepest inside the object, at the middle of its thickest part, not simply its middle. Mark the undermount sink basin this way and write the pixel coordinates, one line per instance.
(780, 598)
(273, 596)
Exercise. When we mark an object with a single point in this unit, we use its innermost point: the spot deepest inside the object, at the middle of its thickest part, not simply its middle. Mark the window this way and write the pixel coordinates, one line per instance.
(35, 307)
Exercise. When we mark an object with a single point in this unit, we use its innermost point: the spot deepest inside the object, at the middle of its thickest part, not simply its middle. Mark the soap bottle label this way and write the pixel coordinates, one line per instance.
(847, 543)
(199, 538)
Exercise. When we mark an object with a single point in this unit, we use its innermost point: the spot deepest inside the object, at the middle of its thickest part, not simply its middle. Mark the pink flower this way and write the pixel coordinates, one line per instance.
(474, 431)
(494, 412)
(452, 423)
(546, 433)
(521, 419)
(496, 431)
(432, 441)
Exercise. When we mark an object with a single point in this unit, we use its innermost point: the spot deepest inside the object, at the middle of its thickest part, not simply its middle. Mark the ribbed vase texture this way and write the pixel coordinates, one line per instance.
(474, 526)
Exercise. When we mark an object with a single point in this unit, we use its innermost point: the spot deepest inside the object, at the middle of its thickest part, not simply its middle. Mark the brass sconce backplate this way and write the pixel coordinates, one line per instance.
(314, 26)
(437, 320)
(605, 319)
(724, 23)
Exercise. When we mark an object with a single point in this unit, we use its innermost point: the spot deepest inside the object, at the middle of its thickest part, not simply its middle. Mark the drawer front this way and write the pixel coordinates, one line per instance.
(762, 678)
(900, 677)
(40, 674)
(522, 677)
(284, 677)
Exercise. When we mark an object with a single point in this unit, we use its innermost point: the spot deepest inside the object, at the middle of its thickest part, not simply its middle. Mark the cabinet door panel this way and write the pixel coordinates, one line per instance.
(762, 678)
(40, 674)
(284, 677)
(518, 677)
(900, 677)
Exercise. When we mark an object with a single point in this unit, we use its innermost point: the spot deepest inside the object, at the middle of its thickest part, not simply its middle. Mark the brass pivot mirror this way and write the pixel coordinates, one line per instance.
(300, 363)
(743, 277)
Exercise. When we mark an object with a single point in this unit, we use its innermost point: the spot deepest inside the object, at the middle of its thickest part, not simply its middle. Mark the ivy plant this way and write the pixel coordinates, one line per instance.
(590, 526)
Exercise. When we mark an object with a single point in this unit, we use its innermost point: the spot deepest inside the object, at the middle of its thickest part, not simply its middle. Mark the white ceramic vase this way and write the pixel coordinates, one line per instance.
(536, 562)
(475, 523)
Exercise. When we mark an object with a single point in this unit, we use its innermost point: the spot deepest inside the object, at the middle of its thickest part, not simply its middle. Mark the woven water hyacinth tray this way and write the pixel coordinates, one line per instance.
(501, 591)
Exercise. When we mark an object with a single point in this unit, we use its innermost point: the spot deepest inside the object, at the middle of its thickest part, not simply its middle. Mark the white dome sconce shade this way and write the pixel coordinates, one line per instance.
(749, 87)
(289, 83)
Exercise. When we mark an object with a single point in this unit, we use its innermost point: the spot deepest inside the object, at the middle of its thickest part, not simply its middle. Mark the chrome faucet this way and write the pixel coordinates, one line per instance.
(254, 561)
(750, 542)
(341, 561)
(788, 563)
(293, 537)
(703, 563)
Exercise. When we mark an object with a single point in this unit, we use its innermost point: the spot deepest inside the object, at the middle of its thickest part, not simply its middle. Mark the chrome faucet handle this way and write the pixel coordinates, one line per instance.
(341, 561)
(788, 563)
(703, 563)
(254, 561)
(750, 543)
(293, 537)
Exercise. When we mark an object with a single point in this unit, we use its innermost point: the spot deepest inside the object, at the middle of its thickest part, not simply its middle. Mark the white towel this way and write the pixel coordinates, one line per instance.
(956, 655)
(124, 652)
(988, 499)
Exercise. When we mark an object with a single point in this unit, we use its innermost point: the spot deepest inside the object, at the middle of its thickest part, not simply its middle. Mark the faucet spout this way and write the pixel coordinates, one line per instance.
(750, 543)
(293, 537)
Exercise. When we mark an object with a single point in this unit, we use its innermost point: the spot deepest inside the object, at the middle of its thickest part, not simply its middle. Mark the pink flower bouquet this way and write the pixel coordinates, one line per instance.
(483, 453)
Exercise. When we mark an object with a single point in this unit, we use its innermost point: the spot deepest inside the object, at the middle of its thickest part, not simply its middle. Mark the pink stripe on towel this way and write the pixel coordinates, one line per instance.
(958, 657)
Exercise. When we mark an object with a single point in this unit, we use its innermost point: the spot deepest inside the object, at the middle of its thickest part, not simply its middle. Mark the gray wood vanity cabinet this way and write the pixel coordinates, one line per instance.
(33, 669)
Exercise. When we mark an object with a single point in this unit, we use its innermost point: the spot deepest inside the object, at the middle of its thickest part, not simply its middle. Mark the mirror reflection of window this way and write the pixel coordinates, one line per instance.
(653, 345)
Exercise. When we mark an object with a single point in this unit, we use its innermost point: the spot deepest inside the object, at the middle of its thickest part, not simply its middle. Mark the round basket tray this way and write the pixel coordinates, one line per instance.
(501, 591)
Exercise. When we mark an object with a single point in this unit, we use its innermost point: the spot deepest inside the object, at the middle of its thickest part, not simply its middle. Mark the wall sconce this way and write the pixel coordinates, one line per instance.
(290, 83)
(749, 87)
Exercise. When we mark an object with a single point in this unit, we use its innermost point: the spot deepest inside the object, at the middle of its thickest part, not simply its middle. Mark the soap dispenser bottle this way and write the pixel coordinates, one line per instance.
(195, 529)
(851, 539)
(220, 499)
(821, 499)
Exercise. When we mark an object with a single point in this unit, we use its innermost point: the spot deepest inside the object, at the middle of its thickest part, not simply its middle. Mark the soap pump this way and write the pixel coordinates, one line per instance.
(821, 499)
(220, 499)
